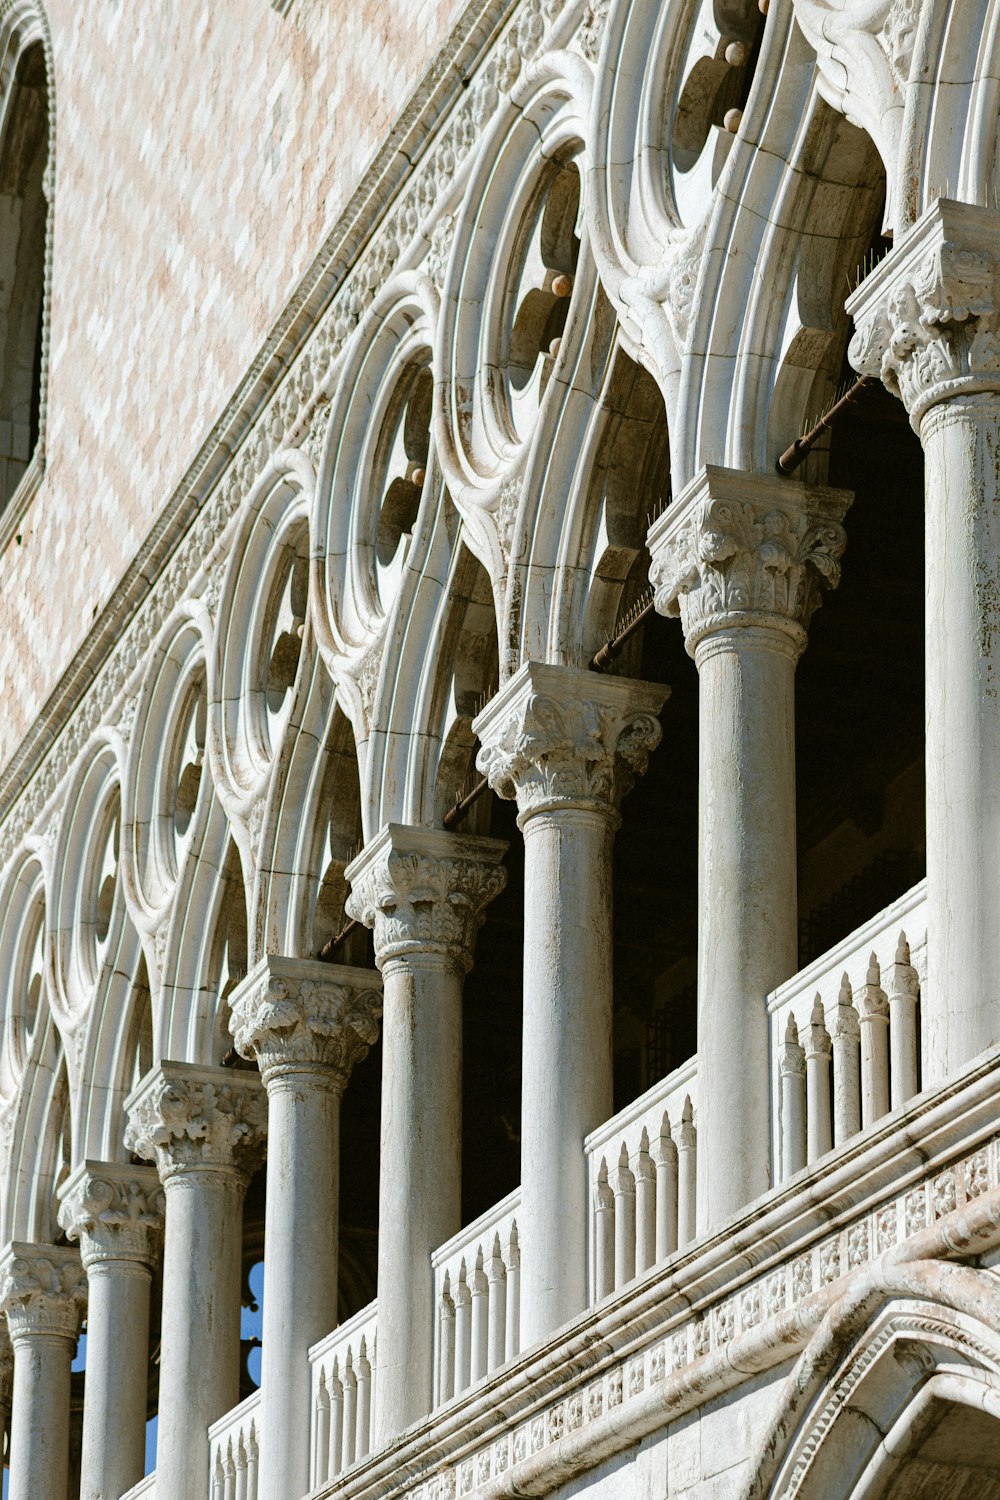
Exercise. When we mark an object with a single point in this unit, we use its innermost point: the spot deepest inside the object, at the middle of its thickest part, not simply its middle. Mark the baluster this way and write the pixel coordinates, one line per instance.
(791, 1070)
(687, 1176)
(479, 1289)
(364, 1416)
(336, 1458)
(873, 1014)
(512, 1338)
(818, 1053)
(496, 1275)
(350, 1409)
(446, 1323)
(645, 1206)
(373, 1362)
(218, 1477)
(624, 1187)
(904, 989)
(321, 1433)
(253, 1462)
(241, 1468)
(842, 1024)
(230, 1466)
(604, 1233)
(666, 1191)
(463, 1332)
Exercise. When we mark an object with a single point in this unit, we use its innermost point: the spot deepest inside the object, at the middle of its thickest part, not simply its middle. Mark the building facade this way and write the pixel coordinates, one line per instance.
(462, 901)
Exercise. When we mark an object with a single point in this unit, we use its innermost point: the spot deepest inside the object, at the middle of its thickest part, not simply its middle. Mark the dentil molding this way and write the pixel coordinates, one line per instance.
(114, 1210)
(188, 1118)
(295, 1014)
(43, 1290)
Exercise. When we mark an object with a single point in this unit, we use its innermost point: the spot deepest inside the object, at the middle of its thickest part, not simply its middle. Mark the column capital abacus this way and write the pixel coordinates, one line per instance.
(189, 1118)
(926, 318)
(115, 1211)
(43, 1291)
(562, 737)
(423, 890)
(298, 1015)
(738, 552)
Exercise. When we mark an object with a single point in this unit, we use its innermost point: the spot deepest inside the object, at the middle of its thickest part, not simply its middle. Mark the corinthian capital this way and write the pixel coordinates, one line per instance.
(115, 1211)
(425, 891)
(738, 550)
(294, 1014)
(188, 1118)
(562, 737)
(43, 1290)
(926, 318)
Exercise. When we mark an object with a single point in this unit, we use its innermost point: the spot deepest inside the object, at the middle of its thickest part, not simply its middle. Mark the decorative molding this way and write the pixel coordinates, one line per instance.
(927, 318)
(425, 891)
(188, 1118)
(295, 1014)
(563, 737)
(738, 550)
(115, 1211)
(43, 1290)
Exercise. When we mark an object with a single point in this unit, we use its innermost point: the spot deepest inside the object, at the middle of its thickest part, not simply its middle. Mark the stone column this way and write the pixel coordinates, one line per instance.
(741, 557)
(566, 744)
(307, 1024)
(116, 1213)
(43, 1291)
(928, 323)
(424, 892)
(204, 1127)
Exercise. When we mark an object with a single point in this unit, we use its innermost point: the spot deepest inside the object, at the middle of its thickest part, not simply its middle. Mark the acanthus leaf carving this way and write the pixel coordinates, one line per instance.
(43, 1290)
(116, 1212)
(185, 1117)
(292, 1014)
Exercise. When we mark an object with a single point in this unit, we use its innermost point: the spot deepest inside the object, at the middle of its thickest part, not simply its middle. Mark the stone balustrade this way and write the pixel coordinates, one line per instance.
(845, 1035)
(144, 1490)
(234, 1449)
(642, 1171)
(343, 1395)
(477, 1281)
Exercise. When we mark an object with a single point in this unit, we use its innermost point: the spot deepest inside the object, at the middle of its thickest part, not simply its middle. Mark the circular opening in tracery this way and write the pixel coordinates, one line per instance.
(283, 633)
(107, 881)
(548, 263)
(405, 449)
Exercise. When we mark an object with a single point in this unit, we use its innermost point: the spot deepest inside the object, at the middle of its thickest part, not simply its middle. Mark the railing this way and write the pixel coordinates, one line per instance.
(845, 1035)
(642, 1171)
(145, 1488)
(477, 1277)
(232, 1444)
(343, 1395)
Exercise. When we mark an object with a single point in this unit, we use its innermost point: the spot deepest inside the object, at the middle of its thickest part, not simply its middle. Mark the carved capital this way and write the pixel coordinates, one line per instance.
(743, 550)
(43, 1290)
(115, 1211)
(295, 1015)
(926, 318)
(562, 737)
(188, 1118)
(425, 891)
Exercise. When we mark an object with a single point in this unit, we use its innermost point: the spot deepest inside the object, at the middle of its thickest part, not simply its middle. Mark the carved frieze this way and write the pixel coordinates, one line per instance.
(115, 1212)
(742, 549)
(188, 1118)
(926, 318)
(294, 1014)
(424, 890)
(43, 1290)
(559, 736)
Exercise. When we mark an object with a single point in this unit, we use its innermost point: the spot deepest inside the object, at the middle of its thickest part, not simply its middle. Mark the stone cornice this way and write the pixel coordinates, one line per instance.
(43, 1290)
(295, 1014)
(188, 1119)
(559, 736)
(425, 891)
(739, 550)
(922, 1187)
(927, 318)
(114, 1210)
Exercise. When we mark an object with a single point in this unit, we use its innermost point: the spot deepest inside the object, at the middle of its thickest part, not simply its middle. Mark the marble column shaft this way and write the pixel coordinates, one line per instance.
(741, 557)
(424, 892)
(43, 1291)
(928, 323)
(566, 744)
(115, 1211)
(307, 1024)
(205, 1128)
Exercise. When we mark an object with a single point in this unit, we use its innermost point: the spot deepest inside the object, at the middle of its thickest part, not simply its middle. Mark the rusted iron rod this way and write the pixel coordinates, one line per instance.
(801, 448)
(613, 648)
(329, 948)
(460, 811)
